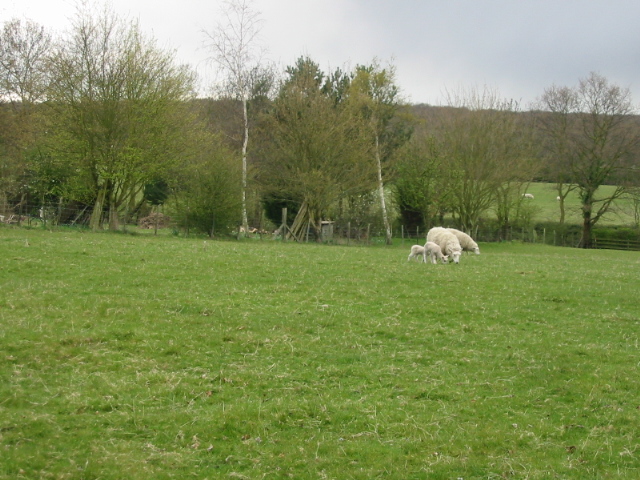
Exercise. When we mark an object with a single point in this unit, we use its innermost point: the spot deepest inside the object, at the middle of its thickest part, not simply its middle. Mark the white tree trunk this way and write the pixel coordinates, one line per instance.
(383, 203)
(245, 221)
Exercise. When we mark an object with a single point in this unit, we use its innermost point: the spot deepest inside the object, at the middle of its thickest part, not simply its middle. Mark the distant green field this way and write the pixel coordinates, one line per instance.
(145, 357)
(548, 209)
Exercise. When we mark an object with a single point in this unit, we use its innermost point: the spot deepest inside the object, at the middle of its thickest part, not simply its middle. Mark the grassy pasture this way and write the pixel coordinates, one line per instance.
(548, 209)
(158, 357)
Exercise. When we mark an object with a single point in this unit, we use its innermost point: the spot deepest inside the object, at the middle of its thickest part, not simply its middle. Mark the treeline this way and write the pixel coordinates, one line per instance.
(107, 122)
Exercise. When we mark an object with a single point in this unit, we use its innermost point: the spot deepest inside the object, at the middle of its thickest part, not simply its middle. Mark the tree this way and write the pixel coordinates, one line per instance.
(233, 45)
(421, 185)
(204, 188)
(556, 129)
(486, 148)
(23, 55)
(319, 150)
(595, 136)
(376, 98)
(120, 110)
(23, 77)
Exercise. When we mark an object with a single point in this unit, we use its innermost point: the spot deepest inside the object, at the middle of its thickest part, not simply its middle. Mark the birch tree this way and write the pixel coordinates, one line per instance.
(377, 99)
(234, 47)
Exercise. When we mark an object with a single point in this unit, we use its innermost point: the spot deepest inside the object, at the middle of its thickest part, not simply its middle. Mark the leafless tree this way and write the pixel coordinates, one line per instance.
(487, 152)
(594, 136)
(23, 54)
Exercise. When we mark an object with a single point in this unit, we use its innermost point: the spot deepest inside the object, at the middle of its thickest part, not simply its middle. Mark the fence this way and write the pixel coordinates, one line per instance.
(344, 233)
(614, 244)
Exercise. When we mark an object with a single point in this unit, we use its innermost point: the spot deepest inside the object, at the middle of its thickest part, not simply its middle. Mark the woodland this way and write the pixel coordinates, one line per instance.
(102, 127)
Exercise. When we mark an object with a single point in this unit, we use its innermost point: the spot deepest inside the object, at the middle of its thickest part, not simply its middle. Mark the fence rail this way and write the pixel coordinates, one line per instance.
(613, 244)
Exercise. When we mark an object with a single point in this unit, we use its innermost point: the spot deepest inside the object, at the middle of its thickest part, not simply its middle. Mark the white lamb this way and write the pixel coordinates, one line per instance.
(417, 250)
(447, 241)
(528, 195)
(434, 252)
(466, 242)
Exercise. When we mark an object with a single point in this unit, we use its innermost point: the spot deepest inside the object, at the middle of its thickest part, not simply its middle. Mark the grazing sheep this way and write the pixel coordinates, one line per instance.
(447, 241)
(434, 252)
(558, 198)
(466, 242)
(528, 195)
(417, 250)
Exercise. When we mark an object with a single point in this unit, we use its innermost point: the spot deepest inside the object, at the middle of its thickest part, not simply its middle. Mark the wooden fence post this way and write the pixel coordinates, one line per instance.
(283, 227)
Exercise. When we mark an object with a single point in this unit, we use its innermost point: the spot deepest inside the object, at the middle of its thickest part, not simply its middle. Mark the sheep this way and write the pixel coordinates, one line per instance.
(417, 250)
(558, 198)
(466, 242)
(434, 252)
(527, 195)
(447, 241)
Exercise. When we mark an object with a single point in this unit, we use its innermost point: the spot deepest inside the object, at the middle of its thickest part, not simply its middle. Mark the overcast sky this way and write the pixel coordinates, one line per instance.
(516, 47)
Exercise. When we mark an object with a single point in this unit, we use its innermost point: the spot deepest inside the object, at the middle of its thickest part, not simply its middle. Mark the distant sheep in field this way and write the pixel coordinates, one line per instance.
(528, 195)
(434, 252)
(417, 251)
(558, 198)
(447, 241)
(466, 242)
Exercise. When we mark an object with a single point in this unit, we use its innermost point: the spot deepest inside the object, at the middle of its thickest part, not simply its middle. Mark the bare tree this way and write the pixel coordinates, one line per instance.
(487, 151)
(556, 128)
(234, 48)
(594, 136)
(23, 54)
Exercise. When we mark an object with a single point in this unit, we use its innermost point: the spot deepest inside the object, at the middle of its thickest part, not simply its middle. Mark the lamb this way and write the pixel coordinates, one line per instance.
(528, 195)
(466, 242)
(417, 250)
(447, 241)
(434, 252)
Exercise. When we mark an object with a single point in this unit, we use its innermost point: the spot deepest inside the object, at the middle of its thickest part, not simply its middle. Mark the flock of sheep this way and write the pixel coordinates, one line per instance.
(444, 244)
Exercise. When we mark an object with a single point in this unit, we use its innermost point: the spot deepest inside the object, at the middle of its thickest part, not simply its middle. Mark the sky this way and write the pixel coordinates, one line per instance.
(439, 48)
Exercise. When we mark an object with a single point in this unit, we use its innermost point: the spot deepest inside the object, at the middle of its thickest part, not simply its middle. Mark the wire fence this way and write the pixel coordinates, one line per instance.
(338, 232)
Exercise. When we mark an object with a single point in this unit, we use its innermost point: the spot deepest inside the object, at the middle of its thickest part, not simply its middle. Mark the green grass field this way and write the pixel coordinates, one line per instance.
(144, 357)
(548, 209)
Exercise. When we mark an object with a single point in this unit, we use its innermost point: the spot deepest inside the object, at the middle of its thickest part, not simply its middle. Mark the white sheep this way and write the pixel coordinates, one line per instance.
(527, 195)
(466, 242)
(417, 250)
(434, 252)
(447, 241)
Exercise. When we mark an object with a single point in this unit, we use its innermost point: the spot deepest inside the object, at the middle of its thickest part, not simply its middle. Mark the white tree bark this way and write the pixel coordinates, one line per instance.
(383, 203)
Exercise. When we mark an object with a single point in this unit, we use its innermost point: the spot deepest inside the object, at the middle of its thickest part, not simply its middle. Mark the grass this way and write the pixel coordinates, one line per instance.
(159, 357)
(548, 208)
